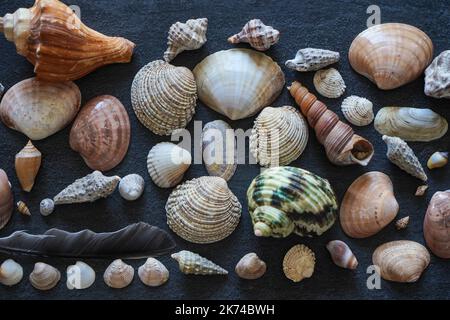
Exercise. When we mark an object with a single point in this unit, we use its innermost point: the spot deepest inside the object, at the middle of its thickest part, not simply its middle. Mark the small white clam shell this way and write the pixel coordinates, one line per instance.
(358, 110)
(153, 273)
(11, 273)
(44, 276)
(118, 275)
(46, 207)
(131, 187)
(329, 83)
(80, 276)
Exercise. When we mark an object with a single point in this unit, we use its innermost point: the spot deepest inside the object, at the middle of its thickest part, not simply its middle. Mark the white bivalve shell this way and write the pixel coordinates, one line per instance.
(11, 273)
(329, 83)
(118, 275)
(358, 110)
(80, 276)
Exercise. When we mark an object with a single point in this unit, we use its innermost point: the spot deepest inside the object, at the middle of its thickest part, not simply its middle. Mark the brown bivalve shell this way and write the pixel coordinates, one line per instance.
(368, 205)
(118, 275)
(6, 199)
(101, 133)
(153, 273)
(44, 277)
(27, 164)
(257, 34)
(342, 255)
(250, 267)
(298, 263)
(436, 225)
(401, 261)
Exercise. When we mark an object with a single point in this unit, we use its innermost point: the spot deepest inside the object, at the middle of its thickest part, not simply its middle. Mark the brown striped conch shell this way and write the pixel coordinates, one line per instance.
(23, 208)
(44, 277)
(342, 255)
(402, 223)
(357, 110)
(298, 263)
(58, 44)
(250, 267)
(6, 199)
(221, 76)
(391, 54)
(436, 225)
(203, 210)
(437, 77)
(401, 261)
(164, 97)
(11, 273)
(257, 35)
(342, 145)
(153, 273)
(118, 275)
(38, 108)
(437, 160)
(368, 205)
(311, 59)
(27, 164)
(329, 83)
(185, 36)
(192, 263)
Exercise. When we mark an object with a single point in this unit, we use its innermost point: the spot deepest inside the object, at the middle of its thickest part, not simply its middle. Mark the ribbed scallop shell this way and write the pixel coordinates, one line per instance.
(368, 205)
(6, 199)
(311, 59)
(192, 263)
(436, 225)
(27, 163)
(329, 83)
(357, 110)
(44, 276)
(153, 273)
(284, 200)
(391, 54)
(167, 163)
(410, 124)
(401, 261)
(101, 133)
(257, 34)
(203, 210)
(238, 82)
(299, 263)
(118, 275)
(437, 76)
(164, 97)
(279, 136)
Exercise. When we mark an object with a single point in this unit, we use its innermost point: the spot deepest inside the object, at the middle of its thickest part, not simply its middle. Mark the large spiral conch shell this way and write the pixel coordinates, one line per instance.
(101, 133)
(279, 136)
(185, 36)
(192, 263)
(357, 110)
(222, 76)
(298, 263)
(368, 205)
(27, 164)
(436, 225)
(311, 59)
(401, 261)
(44, 277)
(342, 145)
(329, 83)
(391, 54)
(164, 97)
(58, 44)
(437, 77)
(203, 210)
(6, 199)
(118, 275)
(257, 34)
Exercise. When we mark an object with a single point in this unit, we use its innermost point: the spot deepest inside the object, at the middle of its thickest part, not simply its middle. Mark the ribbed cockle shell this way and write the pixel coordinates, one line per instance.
(436, 225)
(6, 199)
(257, 34)
(311, 59)
(342, 255)
(357, 110)
(437, 76)
(27, 164)
(192, 263)
(298, 263)
(329, 83)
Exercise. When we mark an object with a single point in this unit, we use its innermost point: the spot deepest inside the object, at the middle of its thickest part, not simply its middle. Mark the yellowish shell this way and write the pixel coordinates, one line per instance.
(23, 208)
(329, 83)
(437, 160)
(299, 263)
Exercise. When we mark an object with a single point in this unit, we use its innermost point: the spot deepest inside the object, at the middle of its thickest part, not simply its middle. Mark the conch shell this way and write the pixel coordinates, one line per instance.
(368, 205)
(6, 199)
(357, 110)
(11, 273)
(342, 145)
(436, 225)
(27, 164)
(44, 277)
(342, 255)
(80, 276)
(192, 263)
(437, 77)
(391, 54)
(38, 108)
(185, 36)
(118, 275)
(298, 263)
(101, 133)
(58, 44)
(311, 59)
(222, 76)
(257, 34)
(329, 83)
(250, 267)
(153, 273)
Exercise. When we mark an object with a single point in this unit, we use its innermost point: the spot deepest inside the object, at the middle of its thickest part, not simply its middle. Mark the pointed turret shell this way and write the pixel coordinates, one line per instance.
(6, 199)
(27, 164)
(192, 263)
(437, 77)
(357, 110)
(257, 34)
(402, 223)
(80, 276)
(118, 275)
(131, 187)
(250, 267)
(437, 160)
(436, 225)
(11, 273)
(153, 273)
(329, 83)
(311, 59)
(44, 277)
(342, 255)
(23, 208)
(298, 263)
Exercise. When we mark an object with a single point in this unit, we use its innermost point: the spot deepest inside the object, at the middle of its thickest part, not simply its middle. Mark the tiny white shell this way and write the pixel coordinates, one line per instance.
(80, 276)
(11, 273)
(131, 187)
(329, 83)
(358, 110)
(46, 207)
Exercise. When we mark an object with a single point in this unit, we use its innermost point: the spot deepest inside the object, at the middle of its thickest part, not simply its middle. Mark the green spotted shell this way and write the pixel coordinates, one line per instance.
(283, 200)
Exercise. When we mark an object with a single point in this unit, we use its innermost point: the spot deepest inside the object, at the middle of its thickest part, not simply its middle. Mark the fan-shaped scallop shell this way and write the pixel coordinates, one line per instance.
(437, 77)
(279, 136)
(311, 59)
(44, 276)
(329, 83)
(298, 263)
(164, 97)
(118, 275)
(27, 163)
(357, 110)
(436, 225)
(203, 210)
(257, 34)
(6, 199)
(153, 273)
(192, 263)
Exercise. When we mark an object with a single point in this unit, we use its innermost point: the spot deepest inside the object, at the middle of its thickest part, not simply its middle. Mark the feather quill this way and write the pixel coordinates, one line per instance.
(139, 240)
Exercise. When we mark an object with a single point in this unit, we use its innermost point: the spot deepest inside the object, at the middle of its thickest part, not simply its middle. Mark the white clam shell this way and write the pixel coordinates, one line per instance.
(118, 275)
(312, 59)
(358, 110)
(131, 187)
(44, 276)
(437, 77)
(11, 273)
(329, 83)
(80, 276)
(153, 273)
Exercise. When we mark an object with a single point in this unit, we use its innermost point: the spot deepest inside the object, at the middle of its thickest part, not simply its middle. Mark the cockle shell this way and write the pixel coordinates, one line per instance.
(46, 207)
(410, 124)
(186, 36)
(164, 97)
(90, 188)
(23, 208)
(436, 225)
(101, 133)
(391, 54)
(437, 160)
(357, 110)
(52, 37)
(6, 199)
(44, 276)
(219, 149)
(279, 136)
(203, 210)
(167, 163)
(437, 76)
(342, 255)
(368, 205)
(118, 275)
(80, 276)
(342, 145)
(27, 164)
(38, 108)
(285, 200)
(250, 267)
(402, 223)
(329, 83)
(401, 261)
(192, 263)
(131, 187)
(298, 263)
(153, 273)
(222, 76)
(11, 273)
(311, 59)
(257, 34)
(400, 154)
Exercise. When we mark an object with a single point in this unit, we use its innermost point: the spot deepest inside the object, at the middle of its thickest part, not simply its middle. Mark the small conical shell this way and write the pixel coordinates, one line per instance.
(80, 276)
(44, 276)
(192, 263)
(402, 223)
(185, 36)
(357, 110)
(420, 191)
(23, 208)
(27, 163)
(403, 156)
(342, 255)
(437, 76)
(298, 263)
(311, 59)
(250, 267)
(153, 273)
(6, 199)
(279, 136)
(167, 163)
(131, 187)
(11, 273)
(118, 275)
(437, 160)
(257, 34)
(329, 83)
(436, 224)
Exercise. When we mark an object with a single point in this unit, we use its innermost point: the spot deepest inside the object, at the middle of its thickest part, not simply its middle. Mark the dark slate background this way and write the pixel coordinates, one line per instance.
(331, 25)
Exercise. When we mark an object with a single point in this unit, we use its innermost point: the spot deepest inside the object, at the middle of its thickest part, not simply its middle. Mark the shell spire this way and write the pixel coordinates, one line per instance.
(192, 263)
(27, 164)
(257, 34)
